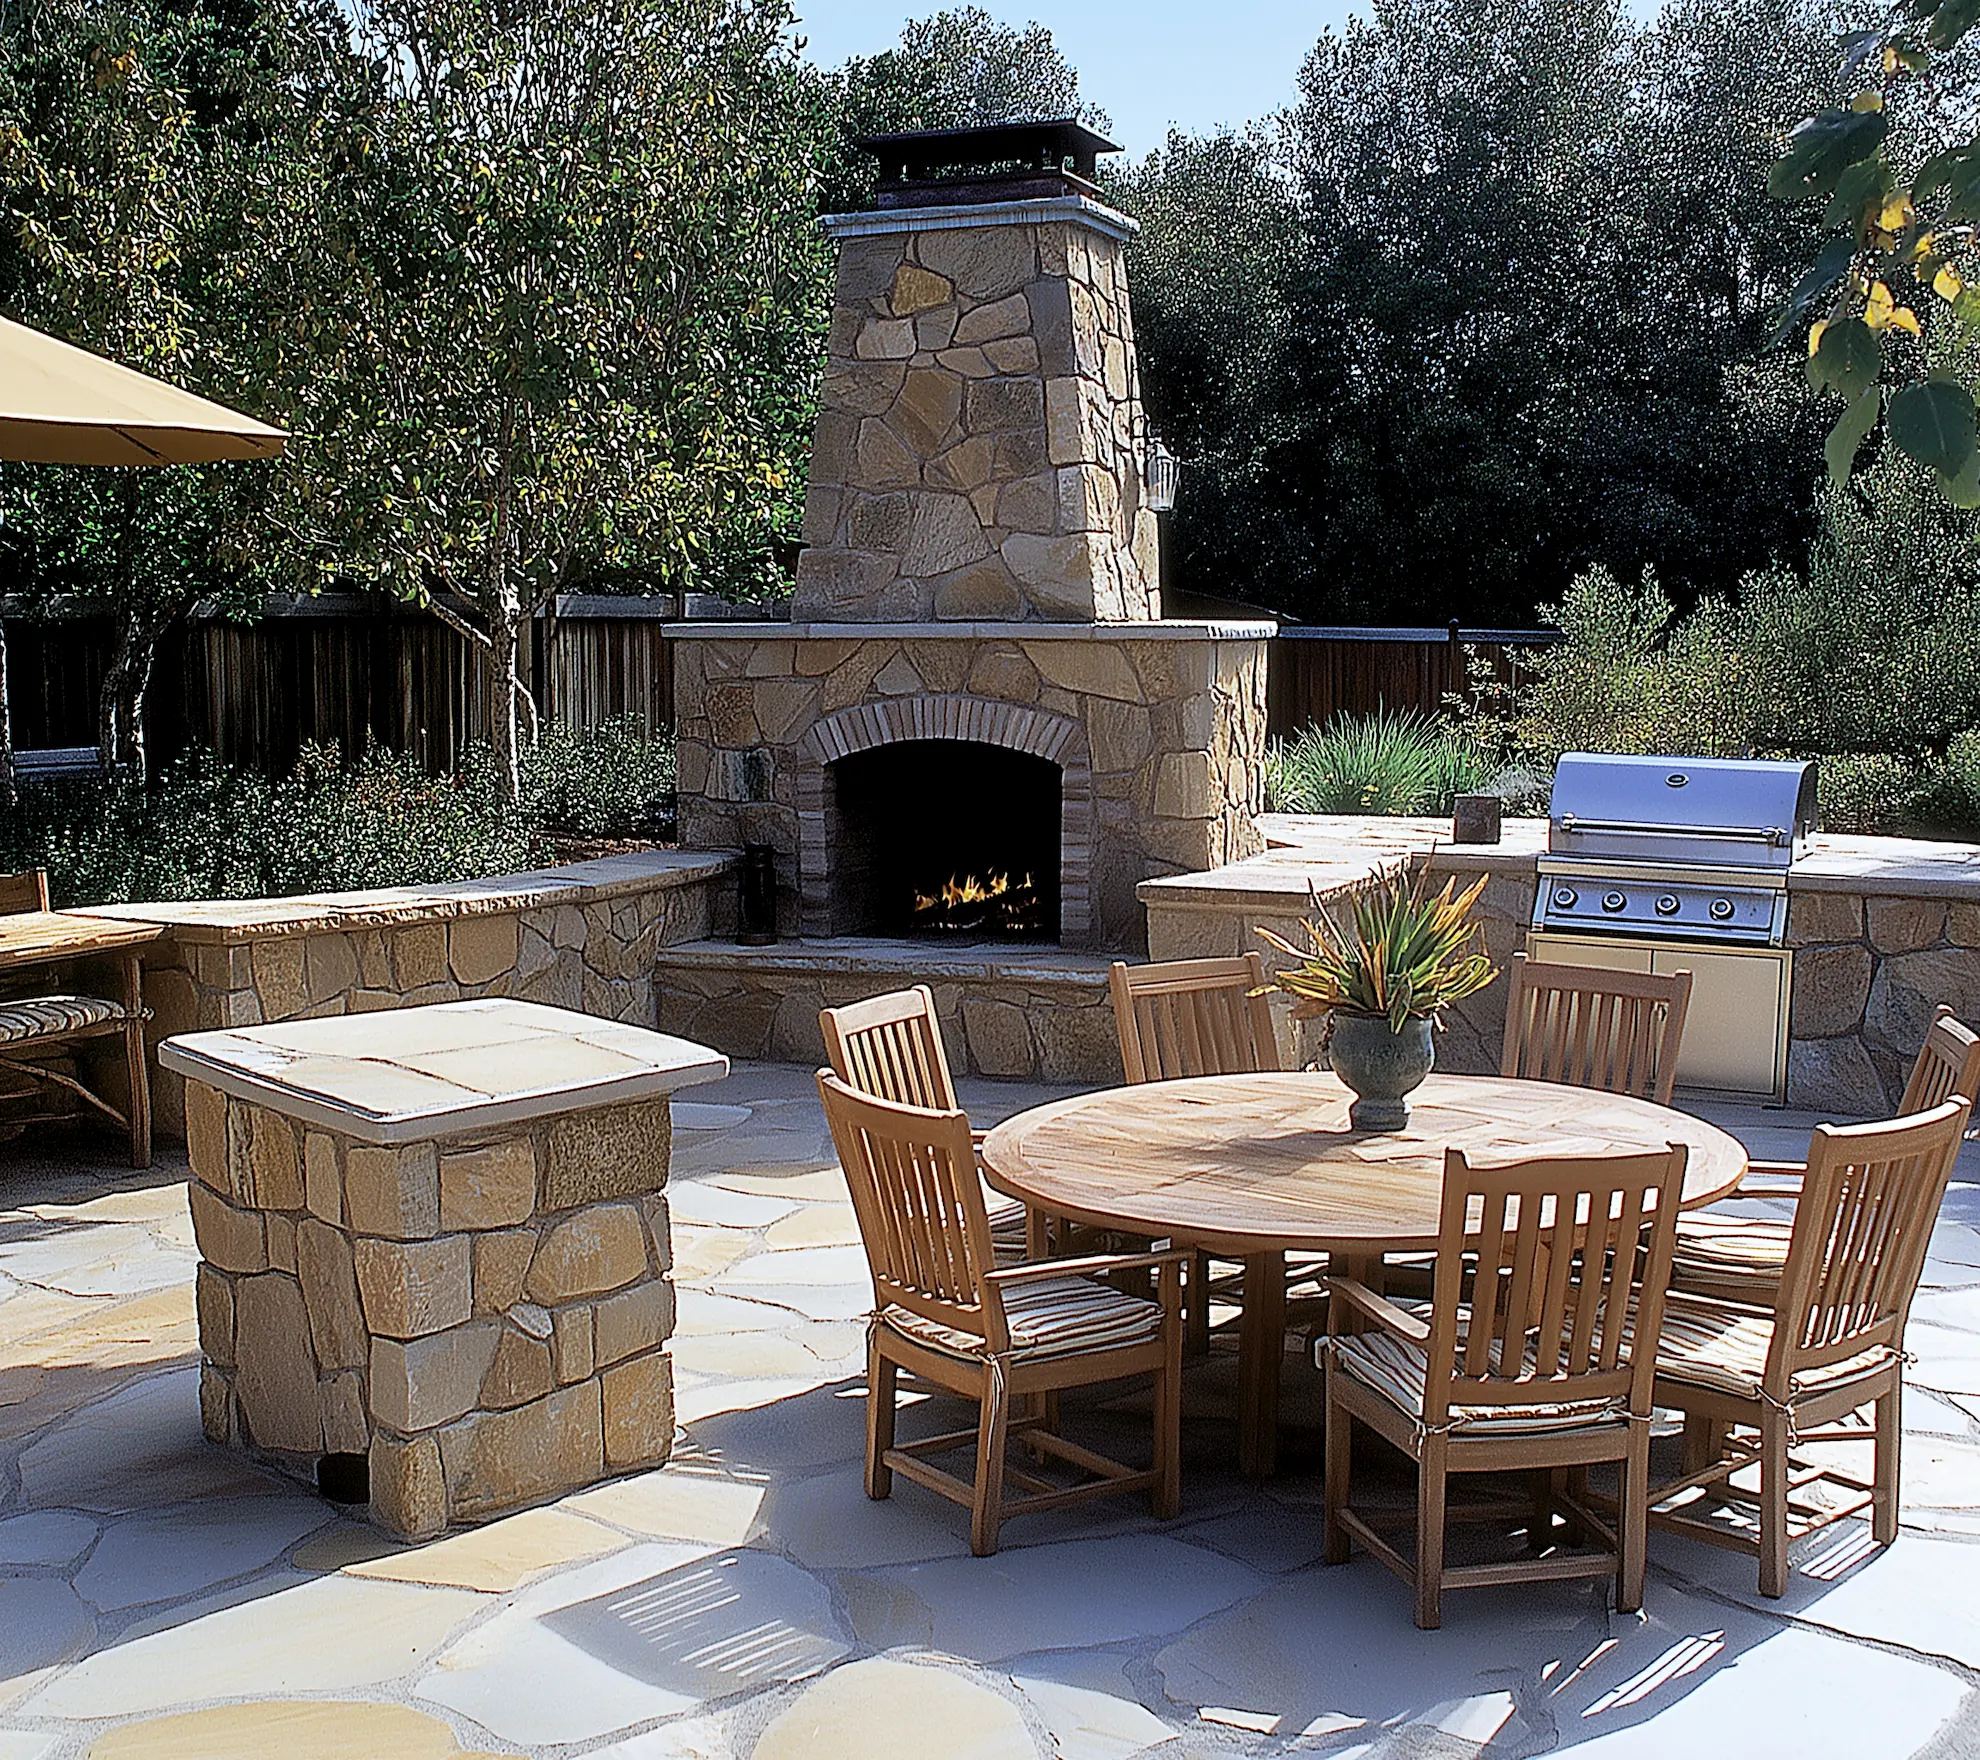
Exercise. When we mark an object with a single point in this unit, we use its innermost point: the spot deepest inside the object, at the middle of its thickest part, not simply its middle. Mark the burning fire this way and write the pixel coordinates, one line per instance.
(969, 890)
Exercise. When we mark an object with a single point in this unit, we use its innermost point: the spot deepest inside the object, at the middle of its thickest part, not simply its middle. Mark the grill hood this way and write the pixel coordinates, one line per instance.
(1728, 812)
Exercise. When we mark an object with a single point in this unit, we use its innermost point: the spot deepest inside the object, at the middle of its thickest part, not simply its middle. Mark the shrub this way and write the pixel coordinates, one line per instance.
(613, 780)
(1868, 792)
(1394, 761)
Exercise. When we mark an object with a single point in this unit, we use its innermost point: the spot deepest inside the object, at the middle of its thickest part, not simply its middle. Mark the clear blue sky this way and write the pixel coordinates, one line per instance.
(1199, 66)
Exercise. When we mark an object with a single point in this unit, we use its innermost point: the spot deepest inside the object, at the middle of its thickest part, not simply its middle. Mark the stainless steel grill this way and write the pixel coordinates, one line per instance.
(1681, 864)
(1695, 849)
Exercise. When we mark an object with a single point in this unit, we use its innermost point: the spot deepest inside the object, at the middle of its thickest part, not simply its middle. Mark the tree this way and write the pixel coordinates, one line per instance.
(1472, 359)
(575, 331)
(1901, 218)
(958, 69)
(147, 169)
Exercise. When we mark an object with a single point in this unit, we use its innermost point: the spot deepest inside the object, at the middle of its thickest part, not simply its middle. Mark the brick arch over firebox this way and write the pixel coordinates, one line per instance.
(973, 720)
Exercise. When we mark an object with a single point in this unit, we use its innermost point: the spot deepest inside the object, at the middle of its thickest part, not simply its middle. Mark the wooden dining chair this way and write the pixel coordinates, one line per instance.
(1198, 1017)
(1739, 1258)
(1008, 1337)
(891, 1047)
(1590, 1027)
(1750, 1384)
(34, 1028)
(1547, 1366)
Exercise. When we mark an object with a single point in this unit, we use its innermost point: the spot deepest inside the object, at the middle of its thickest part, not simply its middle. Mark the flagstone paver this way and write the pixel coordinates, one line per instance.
(161, 1598)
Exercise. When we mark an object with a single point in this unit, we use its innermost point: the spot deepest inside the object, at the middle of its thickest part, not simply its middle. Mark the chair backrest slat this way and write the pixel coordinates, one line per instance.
(912, 1174)
(1862, 1225)
(1193, 1017)
(1565, 1262)
(1948, 1064)
(891, 1047)
(25, 891)
(1589, 1027)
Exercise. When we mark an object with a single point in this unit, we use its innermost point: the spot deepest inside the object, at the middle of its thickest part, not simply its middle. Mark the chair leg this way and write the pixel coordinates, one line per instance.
(880, 1374)
(140, 1075)
(986, 1513)
(1197, 1339)
(1340, 1451)
(1884, 1499)
(1540, 1519)
(1430, 1475)
(1633, 1520)
(1165, 1496)
(1773, 1504)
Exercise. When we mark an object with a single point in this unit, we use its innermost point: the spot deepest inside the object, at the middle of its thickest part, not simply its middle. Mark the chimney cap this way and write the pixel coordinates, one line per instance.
(991, 163)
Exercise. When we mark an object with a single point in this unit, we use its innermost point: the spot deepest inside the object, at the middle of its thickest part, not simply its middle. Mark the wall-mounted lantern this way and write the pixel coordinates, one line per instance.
(1159, 469)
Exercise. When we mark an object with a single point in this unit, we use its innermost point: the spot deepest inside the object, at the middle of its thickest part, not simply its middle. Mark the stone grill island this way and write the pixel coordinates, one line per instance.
(435, 1241)
(976, 682)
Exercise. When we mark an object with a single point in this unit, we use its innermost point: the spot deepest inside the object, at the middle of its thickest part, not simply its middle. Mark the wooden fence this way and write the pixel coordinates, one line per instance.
(357, 672)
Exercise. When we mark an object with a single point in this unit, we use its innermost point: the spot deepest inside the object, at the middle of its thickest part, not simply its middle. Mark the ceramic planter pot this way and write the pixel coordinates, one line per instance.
(1381, 1065)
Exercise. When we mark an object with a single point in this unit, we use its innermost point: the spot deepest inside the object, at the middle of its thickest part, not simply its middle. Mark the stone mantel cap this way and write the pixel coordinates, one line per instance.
(407, 1075)
(1040, 210)
(1152, 630)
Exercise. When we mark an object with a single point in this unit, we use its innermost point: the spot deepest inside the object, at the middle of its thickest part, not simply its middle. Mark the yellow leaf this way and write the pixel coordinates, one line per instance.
(1815, 335)
(1871, 100)
(1890, 59)
(1946, 284)
(1897, 213)
(1878, 307)
(1904, 318)
(1923, 246)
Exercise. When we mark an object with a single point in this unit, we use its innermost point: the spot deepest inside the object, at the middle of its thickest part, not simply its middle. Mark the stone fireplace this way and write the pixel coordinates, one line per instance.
(976, 727)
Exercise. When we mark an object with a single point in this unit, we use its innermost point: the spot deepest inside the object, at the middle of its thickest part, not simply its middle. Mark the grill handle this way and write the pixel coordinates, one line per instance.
(1771, 835)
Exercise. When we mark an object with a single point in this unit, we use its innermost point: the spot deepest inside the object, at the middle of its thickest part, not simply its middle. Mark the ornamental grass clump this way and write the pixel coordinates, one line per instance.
(1402, 953)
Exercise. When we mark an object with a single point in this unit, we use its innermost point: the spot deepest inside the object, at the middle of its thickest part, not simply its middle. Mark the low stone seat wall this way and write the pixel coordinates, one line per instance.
(581, 936)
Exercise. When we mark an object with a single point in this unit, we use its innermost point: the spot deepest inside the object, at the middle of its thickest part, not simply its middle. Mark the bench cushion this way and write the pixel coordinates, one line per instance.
(27, 1018)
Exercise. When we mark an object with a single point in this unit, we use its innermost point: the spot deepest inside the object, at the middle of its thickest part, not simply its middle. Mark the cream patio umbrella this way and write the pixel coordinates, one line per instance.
(64, 405)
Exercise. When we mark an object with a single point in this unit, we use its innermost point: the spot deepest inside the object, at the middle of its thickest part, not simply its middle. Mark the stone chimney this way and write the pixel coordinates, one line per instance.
(979, 444)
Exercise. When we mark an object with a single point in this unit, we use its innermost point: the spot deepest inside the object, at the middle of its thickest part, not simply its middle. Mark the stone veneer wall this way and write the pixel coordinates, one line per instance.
(483, 1317)
(580, 937)
(978, 445)
(1159, 729)
(1869, 971)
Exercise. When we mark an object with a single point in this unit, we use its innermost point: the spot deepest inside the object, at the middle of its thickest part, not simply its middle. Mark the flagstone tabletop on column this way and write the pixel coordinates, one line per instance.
(403, 1075)
(435, 1252)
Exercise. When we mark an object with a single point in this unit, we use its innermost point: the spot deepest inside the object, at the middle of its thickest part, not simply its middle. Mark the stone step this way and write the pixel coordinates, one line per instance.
(1030, 1013)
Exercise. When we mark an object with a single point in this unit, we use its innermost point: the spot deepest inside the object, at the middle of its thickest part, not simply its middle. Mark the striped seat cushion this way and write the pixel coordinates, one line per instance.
(1730, 1258)
(1397, 1370)
(1054, 1317)
(1007, 1239)
(38, 1017)
(1711, 1345)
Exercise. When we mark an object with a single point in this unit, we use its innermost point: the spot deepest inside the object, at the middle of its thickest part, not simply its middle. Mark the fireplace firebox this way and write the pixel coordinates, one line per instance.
(947, 839)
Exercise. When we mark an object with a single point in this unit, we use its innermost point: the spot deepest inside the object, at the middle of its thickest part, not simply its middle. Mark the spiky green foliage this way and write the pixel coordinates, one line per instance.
(1394, 761)
(1402, 952)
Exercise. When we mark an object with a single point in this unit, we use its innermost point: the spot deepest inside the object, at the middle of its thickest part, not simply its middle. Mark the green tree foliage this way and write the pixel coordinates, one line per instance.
(1507, 267)
(154, 170)
(575, 332)
(959, 69)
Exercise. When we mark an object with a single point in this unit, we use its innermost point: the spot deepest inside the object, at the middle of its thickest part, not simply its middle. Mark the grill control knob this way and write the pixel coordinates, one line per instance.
(1722, 910)
(1613, 901)
(1667, 906)
(1564, 897)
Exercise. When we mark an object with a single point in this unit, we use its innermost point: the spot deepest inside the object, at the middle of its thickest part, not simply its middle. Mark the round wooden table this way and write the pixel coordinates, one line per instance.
(1253, 1167)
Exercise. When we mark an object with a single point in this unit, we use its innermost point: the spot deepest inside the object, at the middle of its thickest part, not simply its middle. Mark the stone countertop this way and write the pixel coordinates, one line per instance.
(1168, 629)
(409, 1074)
(1328, 853)
(249, 919)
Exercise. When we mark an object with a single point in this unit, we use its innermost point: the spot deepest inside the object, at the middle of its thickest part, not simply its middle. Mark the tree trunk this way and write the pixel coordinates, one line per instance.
(502, 705)
(120, 708)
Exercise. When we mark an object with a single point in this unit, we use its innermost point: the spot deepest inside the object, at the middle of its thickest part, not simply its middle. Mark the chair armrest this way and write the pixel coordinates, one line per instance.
(1093, 1264)
(1383, 1312)
(976, 1138)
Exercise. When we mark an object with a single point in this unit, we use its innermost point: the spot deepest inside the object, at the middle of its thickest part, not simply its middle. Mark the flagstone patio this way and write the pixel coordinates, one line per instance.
(162, 1597)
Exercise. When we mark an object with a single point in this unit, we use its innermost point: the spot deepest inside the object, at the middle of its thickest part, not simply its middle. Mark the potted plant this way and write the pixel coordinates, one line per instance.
(1381, 979)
